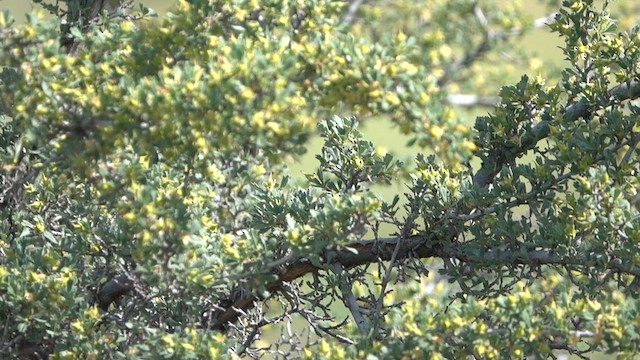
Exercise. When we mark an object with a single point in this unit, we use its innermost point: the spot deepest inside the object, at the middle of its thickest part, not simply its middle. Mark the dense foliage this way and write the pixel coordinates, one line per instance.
(147, 210)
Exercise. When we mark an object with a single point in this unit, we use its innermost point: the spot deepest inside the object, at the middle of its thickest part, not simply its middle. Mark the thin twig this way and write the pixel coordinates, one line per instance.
(633, 143)
(352, 9)
(489, 37)
(383, 289)
(350, 300)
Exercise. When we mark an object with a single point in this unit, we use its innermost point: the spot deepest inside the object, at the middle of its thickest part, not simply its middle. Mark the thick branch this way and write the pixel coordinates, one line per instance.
(417, 246)
(506, 153)
(112, 290)
(545, 257)
(366, 252)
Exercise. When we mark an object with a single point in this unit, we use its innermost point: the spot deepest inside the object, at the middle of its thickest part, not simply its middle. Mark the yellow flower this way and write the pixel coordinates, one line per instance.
(376, 93)
(469, 145)
(206, 279)
(92, 313)
(226, 240)
(77, 327)
(40, 227)
(381, 151)
(358, 162)
(129, 217)
(448, 115)
(215, 174)
(168, 340)
(446, 51)
(247, 93)
(392, 98)
(436, 131)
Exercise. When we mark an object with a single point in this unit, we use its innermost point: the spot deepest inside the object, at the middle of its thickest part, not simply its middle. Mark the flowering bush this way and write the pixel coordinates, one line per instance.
(147, 211)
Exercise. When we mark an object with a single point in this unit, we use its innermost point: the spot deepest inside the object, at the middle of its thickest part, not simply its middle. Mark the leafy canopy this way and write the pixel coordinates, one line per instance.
(147, 209)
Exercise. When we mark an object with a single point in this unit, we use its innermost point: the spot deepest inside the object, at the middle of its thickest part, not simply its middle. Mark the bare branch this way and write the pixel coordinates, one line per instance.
(489, 37)
(383, 288)
(384, 249)
(468, 100)
(352, 9)
(350, 300)
(633, 144)
(472, 55)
